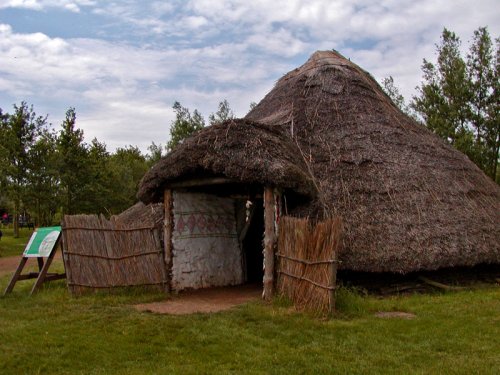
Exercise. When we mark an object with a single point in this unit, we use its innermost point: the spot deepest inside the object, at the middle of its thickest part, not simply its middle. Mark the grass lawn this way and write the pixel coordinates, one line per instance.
(54, 333)
(10, 246)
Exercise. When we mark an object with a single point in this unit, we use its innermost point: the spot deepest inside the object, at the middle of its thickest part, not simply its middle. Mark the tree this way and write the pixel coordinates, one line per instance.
(99, 189)
(443, 95)
(4, 117)
(42, 180)
(155, 153)
(127, 166)
(482, 75)
(397, 98)
(493, 123)
(458, 99)
(73, 165)
(223, 113)
(184, 125)
(19, 133)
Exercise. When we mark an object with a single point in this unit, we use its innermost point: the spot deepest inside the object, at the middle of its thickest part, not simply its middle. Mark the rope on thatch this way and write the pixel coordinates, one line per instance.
(114, 258)
(110, 229)
(307, 262)
(308, 280)
(101, 253)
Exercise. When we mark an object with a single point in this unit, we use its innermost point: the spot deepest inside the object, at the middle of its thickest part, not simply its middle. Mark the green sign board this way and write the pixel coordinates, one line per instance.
(42, 242)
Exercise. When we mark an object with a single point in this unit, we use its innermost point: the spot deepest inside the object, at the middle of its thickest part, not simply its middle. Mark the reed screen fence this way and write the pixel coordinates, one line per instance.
(101, 254)
(307, 262)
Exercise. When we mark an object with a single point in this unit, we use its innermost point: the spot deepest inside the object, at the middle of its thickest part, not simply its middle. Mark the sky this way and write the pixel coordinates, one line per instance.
(122, 64)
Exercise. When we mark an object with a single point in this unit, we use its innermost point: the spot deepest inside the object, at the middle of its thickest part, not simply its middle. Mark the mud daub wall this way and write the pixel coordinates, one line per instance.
(205, 243)
(101, 254)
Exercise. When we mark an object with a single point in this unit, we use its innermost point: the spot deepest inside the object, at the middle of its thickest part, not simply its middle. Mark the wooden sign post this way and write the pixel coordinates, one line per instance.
(42, 244)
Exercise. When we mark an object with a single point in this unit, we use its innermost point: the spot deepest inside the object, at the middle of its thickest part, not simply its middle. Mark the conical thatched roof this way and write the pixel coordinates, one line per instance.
(408, 200)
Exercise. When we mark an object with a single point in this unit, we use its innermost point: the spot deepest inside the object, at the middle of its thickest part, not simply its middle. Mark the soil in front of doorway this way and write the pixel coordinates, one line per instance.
(205, 300)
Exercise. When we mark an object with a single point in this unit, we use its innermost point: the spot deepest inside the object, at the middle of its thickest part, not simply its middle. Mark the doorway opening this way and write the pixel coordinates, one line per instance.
(252, 245)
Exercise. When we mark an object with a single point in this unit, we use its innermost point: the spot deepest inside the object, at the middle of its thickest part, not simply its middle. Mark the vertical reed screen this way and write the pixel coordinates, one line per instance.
(307, 262)
(100, 253)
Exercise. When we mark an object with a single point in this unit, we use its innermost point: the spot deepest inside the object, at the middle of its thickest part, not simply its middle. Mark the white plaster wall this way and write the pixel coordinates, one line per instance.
(205, 243)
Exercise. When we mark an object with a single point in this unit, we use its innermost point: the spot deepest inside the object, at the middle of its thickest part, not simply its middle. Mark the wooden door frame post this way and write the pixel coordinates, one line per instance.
(269, 243)
(168, 227)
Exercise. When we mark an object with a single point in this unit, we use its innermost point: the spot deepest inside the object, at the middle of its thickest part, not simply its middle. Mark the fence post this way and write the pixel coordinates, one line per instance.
(167, 235)
(269, 240)
(333, 283)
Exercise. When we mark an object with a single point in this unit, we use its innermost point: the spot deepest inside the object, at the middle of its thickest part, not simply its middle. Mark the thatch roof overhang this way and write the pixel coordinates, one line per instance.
(239, 151)
(408, 200)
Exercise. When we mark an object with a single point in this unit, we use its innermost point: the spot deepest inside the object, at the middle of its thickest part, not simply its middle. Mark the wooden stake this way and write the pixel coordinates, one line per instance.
(333, 283)
(41, 276)
(16, 275)
(167, 236)
(43, 272)
(269, 241)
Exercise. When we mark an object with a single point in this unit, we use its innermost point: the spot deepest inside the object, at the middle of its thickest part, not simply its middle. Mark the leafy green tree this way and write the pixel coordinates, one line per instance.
(73, 168)
(482, 74)
(398, 99)
(155, 153)
(443, 95)
(43, 181)
(458, 98)
(223, 113)
(98, 192)
(492, 135)
(184, 125)
(4, 117)
(19, 133)
(127, 166)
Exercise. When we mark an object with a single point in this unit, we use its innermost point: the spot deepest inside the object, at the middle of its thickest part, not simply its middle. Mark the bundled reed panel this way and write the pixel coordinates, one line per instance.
(307, 262)
(100, 253)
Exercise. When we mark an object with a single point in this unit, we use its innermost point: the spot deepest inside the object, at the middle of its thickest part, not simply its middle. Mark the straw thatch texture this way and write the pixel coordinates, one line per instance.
(408, 200)
(238, 149)
(307, 262)
(141, 215)
(100, 253)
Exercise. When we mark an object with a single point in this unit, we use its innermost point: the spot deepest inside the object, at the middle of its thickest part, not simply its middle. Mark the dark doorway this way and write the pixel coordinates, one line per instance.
(253, 246)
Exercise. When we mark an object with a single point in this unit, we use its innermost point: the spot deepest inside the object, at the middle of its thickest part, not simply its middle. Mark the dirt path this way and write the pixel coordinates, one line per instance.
(189, 302)
(8, 265)
(205, 300)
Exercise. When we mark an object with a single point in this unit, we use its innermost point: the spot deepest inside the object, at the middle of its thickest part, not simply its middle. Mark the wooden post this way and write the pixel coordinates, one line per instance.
(41, 276)
(43, 272)
(16, 275)
(333, 283)
(269, 241)
(167, 235)
(67, 258)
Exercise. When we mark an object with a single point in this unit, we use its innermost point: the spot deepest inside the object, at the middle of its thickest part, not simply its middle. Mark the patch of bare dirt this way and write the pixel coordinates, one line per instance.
(395, 315)
(208, 300)
(8, 265)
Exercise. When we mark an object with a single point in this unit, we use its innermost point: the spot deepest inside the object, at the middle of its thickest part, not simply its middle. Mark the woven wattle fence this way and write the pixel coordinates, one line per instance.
(100, 254)
(307, 262)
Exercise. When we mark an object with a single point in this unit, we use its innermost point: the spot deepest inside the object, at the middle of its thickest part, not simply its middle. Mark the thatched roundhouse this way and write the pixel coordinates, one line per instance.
(334, 144)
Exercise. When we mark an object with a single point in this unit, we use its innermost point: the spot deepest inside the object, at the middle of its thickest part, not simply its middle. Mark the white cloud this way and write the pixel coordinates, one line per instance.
(122, 93)
(28, 4)
(202, 51)
(71, 5)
